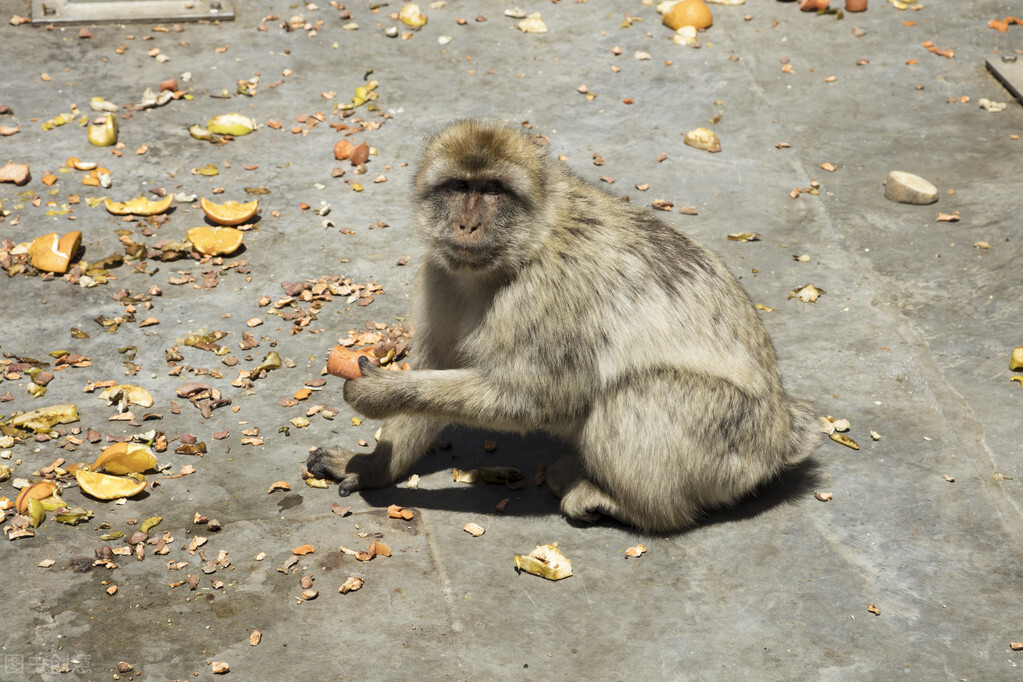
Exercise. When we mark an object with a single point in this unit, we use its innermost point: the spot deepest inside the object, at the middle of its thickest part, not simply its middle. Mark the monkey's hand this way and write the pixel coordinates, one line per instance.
(353, 471)
(375, 395)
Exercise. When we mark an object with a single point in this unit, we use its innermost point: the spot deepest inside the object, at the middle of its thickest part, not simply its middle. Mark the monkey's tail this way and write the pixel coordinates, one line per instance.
(805, 435)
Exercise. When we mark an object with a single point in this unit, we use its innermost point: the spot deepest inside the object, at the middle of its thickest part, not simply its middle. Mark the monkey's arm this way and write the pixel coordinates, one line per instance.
(466, 396)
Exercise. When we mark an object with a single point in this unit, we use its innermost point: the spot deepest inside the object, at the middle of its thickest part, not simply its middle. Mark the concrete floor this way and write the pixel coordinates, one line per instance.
(911, 340)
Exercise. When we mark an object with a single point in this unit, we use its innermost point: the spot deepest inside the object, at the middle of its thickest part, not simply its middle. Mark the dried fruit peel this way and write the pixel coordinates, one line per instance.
(546, 561)
(128, 393)
(44, 418)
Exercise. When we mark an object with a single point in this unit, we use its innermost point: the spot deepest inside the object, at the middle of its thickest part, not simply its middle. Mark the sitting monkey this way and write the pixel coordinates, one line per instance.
(546, 304)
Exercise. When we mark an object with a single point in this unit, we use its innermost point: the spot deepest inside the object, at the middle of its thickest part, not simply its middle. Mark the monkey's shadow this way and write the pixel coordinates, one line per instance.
(526, 499)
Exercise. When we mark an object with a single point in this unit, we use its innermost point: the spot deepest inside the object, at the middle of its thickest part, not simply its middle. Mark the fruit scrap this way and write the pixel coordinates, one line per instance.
(125, 458)
(105, 487)
(636, 551)
(303, 550)
(1003, 25)
(807, 293)
(235, 125)
(17, 173)
(351, 585)
(37, 491)
(344, 362)
(845, 440)
(474, 529)
(688, 13)
(396, 512)
(104, 132)
(51, 253)
(45, 418)
(124, 395)
(216, 241)
(703, 138)
(1016, 361)
(229, 212)
(140, 206)
(546, 561)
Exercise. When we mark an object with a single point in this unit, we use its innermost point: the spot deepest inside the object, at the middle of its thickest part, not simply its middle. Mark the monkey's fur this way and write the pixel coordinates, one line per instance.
(544, 304)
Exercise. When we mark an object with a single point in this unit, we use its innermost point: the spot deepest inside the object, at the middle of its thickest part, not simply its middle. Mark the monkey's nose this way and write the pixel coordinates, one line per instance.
(468, 228)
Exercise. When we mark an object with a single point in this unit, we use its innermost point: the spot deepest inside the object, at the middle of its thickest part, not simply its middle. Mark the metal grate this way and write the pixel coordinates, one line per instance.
(126, 11)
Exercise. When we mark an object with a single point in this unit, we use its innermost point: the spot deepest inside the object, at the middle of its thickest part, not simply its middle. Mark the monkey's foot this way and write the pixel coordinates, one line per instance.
(353, 471)
(584, 501)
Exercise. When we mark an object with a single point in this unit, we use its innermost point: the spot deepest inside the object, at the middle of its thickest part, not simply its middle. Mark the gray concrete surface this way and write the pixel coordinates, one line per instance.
(911, 340)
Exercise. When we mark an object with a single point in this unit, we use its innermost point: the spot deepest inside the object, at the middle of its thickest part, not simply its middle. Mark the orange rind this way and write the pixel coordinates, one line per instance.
(229, 212)
(106, 487)
(215, 241)
(140, 205)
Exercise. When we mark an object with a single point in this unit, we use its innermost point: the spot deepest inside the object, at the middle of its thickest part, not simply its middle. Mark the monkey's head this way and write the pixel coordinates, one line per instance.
(480, 188)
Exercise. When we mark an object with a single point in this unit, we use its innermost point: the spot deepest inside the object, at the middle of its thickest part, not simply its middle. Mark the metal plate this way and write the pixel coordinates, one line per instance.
(1010, 73)
(126, 11)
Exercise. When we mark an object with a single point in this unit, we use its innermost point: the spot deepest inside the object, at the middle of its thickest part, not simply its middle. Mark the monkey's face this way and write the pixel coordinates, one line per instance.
(473, 215)
(477, 189)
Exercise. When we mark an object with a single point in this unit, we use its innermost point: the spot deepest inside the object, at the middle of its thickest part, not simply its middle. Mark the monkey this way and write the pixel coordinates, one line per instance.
(545, 304)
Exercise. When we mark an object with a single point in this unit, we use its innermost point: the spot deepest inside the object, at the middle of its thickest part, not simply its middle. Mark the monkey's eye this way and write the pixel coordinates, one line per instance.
(493, 187)
(459, 185)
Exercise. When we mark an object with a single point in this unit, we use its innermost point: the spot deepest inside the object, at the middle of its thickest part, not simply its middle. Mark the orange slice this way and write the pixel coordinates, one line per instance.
(52, 253)
(37, 491)
(104, 487)
(125, 458)
(229, 212)
(215, 241)
(140, 205)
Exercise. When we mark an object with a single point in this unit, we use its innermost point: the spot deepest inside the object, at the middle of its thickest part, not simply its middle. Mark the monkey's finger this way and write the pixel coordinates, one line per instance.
(365, 366)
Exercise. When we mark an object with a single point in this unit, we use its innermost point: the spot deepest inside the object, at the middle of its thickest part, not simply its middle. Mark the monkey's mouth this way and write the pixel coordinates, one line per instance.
(465, 256)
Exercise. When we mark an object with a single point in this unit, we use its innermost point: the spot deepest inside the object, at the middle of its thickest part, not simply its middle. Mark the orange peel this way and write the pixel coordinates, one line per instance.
(125, 458)
(229, 212)
(106, 487)
(37, 491)
(215, 241)
(140, 205)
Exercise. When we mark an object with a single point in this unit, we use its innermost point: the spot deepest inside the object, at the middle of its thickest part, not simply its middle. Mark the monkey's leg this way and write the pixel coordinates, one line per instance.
(403, 440)
(580, 498)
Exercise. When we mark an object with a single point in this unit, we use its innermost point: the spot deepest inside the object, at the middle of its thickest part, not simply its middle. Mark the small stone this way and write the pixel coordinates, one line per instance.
(906, 188)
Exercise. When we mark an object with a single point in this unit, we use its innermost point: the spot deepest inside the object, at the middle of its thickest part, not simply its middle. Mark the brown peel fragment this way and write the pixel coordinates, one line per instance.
(636, 551)
(17, 173)
(279, 485)
(874, 610)
(845, 440)
(255, 637)
(303, 550)
(351, 585)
